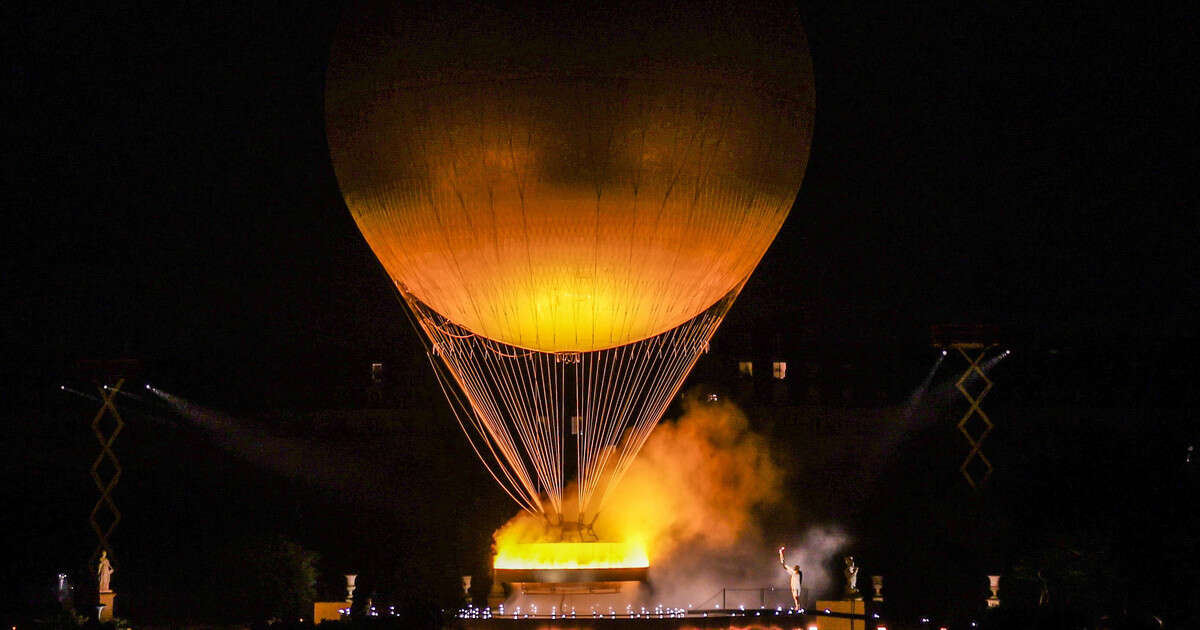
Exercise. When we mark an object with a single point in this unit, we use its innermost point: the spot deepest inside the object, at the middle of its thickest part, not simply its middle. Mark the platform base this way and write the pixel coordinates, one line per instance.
(850, 606)
(329, 611)
(109, 601)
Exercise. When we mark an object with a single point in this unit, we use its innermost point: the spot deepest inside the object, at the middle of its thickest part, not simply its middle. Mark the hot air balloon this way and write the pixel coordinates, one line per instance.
(568, 200)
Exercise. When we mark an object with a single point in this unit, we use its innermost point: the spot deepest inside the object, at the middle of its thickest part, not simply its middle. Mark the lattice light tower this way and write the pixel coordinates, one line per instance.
(108, 394)
(108, 376)
(972, 342)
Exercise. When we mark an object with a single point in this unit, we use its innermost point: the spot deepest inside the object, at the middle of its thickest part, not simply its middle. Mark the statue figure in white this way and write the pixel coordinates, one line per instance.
(851, 576)
(104, 572)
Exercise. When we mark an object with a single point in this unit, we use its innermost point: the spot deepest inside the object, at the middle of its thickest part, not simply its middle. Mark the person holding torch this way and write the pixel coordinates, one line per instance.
(797, 578)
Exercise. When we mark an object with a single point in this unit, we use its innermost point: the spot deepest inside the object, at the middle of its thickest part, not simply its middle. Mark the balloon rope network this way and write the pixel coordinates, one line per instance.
(513, 404)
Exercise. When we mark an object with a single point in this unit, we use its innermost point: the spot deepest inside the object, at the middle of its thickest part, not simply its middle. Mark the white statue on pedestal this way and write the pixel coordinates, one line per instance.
(851, 577)
(104, 572)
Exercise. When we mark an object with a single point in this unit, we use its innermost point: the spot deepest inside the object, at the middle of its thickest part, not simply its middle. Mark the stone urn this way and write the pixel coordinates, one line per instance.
(994, 585)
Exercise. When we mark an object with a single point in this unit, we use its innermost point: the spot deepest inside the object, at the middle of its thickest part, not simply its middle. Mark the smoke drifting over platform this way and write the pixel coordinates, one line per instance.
(698, 500)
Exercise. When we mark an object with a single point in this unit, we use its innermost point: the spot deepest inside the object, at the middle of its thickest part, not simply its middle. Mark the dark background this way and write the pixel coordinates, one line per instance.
(169, 197)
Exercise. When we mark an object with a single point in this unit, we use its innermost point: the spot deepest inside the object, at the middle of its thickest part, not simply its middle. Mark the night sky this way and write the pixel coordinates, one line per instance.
(170, 197)
(172, 193)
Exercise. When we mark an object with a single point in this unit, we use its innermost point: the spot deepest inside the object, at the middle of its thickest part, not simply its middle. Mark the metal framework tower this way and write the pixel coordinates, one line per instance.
(108, 395)
(108, 376)
(972, 342)
(974, 410)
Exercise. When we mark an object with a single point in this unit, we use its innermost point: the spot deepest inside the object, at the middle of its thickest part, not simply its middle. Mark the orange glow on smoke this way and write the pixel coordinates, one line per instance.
(695, 483)
(572, 555)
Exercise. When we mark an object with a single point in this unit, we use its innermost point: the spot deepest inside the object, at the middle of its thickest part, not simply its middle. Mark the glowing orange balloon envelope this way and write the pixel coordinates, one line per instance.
(568, 184)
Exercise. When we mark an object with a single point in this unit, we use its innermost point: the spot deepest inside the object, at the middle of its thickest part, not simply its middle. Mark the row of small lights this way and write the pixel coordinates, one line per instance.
(485, 613)
(371, 612)
(659, 612)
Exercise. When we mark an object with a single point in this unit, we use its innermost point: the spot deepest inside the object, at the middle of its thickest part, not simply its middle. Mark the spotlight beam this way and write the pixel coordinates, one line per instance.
(918, 394)
(76, 392)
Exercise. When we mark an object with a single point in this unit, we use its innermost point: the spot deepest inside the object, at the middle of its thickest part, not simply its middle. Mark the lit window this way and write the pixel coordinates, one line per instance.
(779, 370)
(746, 368)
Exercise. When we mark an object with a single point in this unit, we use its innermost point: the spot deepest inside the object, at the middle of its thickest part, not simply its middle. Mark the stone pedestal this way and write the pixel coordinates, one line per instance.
(853, 606)
(108, 601)
(329, 611)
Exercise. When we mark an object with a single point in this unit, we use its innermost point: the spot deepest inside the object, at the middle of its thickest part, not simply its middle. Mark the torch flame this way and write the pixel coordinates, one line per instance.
(572, 555)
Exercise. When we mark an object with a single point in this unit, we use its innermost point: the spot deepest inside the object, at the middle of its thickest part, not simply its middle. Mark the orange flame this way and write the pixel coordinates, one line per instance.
(572, 555)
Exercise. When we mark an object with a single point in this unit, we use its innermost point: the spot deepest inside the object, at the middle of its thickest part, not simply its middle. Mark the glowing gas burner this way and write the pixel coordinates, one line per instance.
(572, 562)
